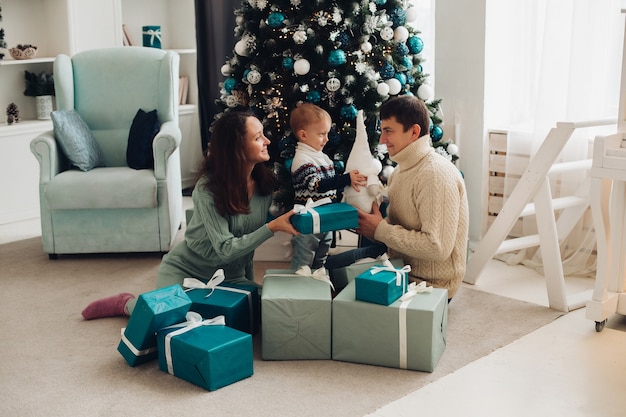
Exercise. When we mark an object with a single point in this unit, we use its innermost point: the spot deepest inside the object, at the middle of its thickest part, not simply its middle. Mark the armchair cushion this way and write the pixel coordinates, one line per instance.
(144, 128)
(76, 140)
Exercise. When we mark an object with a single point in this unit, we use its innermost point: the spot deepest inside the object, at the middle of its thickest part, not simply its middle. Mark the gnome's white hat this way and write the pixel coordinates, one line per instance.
(360, 157)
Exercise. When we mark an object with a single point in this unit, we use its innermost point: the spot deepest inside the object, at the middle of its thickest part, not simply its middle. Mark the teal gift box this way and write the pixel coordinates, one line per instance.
(151, 36)
(153, 311)
(381, 284)
(406, 334)
(239, 304)
(326, 218)
(206, 353)
(343, 276)
(295, 317)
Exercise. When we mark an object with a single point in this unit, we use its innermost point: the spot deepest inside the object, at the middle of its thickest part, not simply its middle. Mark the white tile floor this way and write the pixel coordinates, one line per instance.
(563, 369)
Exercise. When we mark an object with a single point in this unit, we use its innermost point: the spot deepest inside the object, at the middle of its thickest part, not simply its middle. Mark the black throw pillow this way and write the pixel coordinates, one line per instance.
(144, 128)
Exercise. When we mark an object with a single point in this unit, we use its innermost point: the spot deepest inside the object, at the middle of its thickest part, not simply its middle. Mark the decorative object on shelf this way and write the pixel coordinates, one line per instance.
(25, 51)
(13, 114)
(40, 86)
(151, 36)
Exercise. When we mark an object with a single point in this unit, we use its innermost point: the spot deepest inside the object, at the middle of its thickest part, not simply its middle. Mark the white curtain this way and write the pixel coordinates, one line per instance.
(550, 61)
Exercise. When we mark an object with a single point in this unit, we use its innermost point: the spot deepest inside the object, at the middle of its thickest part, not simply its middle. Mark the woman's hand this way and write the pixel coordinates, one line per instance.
(282, 224)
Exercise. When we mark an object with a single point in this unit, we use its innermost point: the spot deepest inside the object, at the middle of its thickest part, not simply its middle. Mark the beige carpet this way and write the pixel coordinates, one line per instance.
(53, 363)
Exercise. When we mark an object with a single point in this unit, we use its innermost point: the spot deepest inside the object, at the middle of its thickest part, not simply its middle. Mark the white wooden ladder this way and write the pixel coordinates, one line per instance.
(532, 195)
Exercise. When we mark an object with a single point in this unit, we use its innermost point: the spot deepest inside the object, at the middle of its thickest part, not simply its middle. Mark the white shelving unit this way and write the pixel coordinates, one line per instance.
(67, 27)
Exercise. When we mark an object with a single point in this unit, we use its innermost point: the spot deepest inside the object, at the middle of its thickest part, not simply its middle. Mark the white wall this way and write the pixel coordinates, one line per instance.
(460, 83)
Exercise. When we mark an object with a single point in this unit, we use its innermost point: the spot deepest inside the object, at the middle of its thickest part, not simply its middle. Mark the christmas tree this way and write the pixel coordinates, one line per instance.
(3, 43)
(343, 55)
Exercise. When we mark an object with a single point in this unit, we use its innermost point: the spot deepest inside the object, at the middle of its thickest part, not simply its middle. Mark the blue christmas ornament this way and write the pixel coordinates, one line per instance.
(314, 96)
(334, 138)
(336, 58)
(343, 39)
(402, 49)
(348, 112)
(340, 167)
(420, 68)
(229, 84)
(397, 16)
(415, 44)
(288, 63)
(436, 133)
(288, 163)
(380, 2)
(410, 80)
(406, 62)
(401, 77)
(387, 71)
(275, 19)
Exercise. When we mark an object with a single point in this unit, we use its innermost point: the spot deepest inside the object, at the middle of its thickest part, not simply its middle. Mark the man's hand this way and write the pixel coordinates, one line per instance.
(368, 222)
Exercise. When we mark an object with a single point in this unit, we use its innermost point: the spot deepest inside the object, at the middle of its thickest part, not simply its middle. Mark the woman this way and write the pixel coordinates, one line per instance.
(231, 200)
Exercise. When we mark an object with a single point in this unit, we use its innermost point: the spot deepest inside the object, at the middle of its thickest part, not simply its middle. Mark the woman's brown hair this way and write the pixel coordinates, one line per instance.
(225, 166)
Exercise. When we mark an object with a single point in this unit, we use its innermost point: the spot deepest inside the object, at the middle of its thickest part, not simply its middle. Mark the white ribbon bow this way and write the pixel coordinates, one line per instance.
(319, 274)
(309, 207)
(388, 266)
(193, 320)
(414, 289)
(153, 34)
(193, 283)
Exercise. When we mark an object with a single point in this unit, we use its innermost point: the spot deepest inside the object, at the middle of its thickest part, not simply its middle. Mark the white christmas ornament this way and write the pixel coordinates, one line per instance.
(241, 48)
(254, 77)
(394, 86)
(425, 92)
(226, 70)
(386, 172)
(301, 66)
(452, 149)
(382, 89)
(362, 160)
(333, 84)
(401, 34)
(411, 14)
(366, 47)
(386, 33)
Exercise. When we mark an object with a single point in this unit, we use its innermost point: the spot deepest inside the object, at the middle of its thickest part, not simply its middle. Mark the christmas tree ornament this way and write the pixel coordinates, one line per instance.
(425, 92)
(366, 47)
(436, 133)
(241, 48)
(452, 149)
(400, 77)
(402, 49)
(301, 66)
(226, 70)
(229, 84)
(387, 71)
(411, 14)
(314, 96)
(275, 20)
(401, 34)
(348, 112)
(394, 86)
(415, 44)
(382, 89)
(406, 63)
(288, 63)
(361, 159)
(386, 33)
(337, 58)
(340, 167)
(386, 172)
(253, 77)
(333, 84)
(299, 37)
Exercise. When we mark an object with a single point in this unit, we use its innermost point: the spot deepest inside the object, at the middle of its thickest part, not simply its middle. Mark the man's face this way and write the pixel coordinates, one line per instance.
(395, 137)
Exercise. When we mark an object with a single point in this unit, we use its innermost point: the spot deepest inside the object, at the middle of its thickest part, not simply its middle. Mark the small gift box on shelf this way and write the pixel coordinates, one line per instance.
(323, 216)
(382, 284)
(239, 304)
(206, 353)
(151, 36)
(408, 334)
(296, 315)
(153, 311)
(342, 276)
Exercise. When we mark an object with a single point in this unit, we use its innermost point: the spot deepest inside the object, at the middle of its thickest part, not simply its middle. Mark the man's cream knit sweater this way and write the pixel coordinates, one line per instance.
(427, 218)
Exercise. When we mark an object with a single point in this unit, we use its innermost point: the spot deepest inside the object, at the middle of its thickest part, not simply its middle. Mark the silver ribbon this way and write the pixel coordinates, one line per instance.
(309, 207)
(193, 320)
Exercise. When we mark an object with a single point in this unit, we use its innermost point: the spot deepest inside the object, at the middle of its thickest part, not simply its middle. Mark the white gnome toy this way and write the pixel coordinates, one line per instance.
(361, 159)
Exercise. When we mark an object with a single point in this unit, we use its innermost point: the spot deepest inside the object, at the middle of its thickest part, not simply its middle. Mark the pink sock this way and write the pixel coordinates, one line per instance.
(108, 307)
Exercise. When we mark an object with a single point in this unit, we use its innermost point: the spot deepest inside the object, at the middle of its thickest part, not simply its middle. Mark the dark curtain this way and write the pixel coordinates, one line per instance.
(215, 39)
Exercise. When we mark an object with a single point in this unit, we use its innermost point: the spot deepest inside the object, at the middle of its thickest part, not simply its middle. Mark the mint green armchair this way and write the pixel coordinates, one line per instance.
(113, 208)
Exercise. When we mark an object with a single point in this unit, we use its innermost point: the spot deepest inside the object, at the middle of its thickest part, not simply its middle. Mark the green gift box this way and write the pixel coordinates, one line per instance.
(295, 317)
(325, 218)
(151, 36)
(406, 334)
(206, 353)
(342, 276)
(381, 284)
(153, 311)
(239, 304)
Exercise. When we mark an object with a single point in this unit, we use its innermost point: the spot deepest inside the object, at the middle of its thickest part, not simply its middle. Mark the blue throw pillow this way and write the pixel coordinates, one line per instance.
(76, 140)
(144, 128)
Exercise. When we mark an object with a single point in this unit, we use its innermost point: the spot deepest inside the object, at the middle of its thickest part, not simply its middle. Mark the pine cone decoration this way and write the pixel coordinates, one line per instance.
(13, 113)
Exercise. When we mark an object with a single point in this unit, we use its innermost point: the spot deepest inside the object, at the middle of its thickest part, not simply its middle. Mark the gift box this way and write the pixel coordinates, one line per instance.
(342, 276)
(238, 303)
(324, 218)
(408, 334)
(381, 284)
(154, 310)
(206, 353)
(151, 36)
(295, 316)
